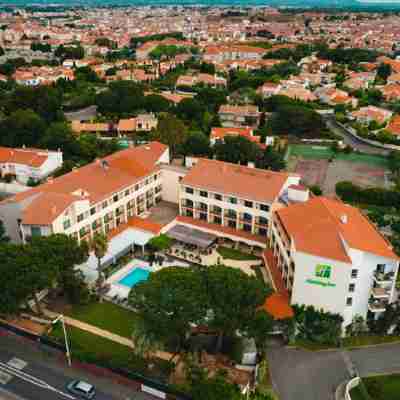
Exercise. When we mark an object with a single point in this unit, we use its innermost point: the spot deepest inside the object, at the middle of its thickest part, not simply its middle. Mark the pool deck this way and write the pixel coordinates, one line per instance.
(122, 291)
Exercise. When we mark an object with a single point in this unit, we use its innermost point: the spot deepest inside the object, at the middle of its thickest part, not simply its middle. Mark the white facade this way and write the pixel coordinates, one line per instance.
(24, 171)
(351, 288)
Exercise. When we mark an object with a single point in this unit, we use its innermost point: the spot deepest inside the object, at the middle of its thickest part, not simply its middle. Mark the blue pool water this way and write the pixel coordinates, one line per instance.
(136, 275)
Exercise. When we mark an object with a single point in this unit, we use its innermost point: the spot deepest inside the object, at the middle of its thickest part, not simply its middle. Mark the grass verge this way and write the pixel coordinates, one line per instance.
(369, 340)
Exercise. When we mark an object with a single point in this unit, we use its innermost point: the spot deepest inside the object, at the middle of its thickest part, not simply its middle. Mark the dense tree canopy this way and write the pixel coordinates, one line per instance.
(223, 298)
(237, 149)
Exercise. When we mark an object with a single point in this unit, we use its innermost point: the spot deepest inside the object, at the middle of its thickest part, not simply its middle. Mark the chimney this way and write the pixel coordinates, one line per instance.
(343, 218)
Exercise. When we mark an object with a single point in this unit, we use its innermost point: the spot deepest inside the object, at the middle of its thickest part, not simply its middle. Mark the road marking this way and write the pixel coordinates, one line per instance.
(10, 370)
(5, 378)
(17, 363)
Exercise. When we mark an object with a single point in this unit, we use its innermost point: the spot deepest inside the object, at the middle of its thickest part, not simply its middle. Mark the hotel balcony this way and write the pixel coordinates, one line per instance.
(383, 278)
(380, 293)
(229, 215)
(377, 305)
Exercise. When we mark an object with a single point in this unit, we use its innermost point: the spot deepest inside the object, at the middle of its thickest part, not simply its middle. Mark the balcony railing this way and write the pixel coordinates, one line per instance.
(376, 305)
(382, 277)
(380, 293)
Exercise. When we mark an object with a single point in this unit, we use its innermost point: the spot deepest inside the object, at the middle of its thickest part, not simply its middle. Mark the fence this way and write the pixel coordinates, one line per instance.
(148, 385)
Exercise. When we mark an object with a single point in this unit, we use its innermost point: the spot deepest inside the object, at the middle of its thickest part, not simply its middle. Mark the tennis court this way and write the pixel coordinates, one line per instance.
(319, 166)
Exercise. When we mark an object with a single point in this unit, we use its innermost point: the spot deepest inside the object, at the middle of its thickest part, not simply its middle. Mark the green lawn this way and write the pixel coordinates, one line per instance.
(360, 393)
(91, 348)
(108, 316)
(369, 340)
(382, 387)
(233, 254)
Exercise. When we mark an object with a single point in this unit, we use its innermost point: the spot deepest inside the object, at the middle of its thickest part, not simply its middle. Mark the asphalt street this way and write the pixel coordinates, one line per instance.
(352, 141)
(31, 373)
(314, 375)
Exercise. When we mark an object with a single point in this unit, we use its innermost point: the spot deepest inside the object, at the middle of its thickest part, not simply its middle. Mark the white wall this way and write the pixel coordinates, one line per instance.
(332, 299)
(170, 184)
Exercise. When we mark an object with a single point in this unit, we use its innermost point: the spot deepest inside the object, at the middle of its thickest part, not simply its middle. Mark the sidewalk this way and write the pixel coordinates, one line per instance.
(104, 333)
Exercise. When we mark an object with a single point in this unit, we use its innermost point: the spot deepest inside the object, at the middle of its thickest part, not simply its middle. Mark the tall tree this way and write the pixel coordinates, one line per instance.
(237, 149)
(233, 298)
(271, 159)
(171, 131)
(168, 302)
(99, 245)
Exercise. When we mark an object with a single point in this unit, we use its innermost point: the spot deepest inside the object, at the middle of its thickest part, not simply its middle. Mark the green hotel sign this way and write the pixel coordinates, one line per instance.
(322, 276)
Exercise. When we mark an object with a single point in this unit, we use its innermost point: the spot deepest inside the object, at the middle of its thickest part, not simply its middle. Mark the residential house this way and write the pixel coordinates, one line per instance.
(29, 164)
(239, 116)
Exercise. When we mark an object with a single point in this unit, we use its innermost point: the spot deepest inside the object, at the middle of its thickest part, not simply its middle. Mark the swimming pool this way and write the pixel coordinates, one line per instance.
(136, 275)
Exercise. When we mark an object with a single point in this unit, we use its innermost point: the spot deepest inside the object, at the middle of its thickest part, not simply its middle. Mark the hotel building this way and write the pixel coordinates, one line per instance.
(325, 253)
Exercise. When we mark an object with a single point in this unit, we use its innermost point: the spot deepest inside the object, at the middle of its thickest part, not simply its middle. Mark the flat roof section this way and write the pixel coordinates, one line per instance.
(191, 236)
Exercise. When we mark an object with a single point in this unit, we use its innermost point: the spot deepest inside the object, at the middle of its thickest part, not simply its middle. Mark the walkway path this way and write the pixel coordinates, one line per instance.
(104, 333)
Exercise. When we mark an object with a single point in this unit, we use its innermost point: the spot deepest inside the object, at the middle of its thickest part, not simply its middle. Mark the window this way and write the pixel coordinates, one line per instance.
(203, 193)
(247, 217)
(35, 231)
(262, 232)
(248, 204)
(354, 273)
(67, 224)
(115, 198)
(233, 200)
(189, 213)
(189, 190)
(80, 217)
(263, 221)
(136, 188)
(247, 228)
(349, 301)
(352, 286)
(127, 192)
(264, 207)
(218, 197)
(104, 205)
(232, 224)
(180, 178)
(217, 220)
(203, 216)
(380, 268)
(93, 211)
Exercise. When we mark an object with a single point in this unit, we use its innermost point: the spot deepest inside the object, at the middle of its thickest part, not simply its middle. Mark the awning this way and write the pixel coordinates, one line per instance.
(191, 236)
(118, 246)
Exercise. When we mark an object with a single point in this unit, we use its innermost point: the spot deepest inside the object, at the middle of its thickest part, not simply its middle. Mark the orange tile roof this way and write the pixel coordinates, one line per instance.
(95, 181)
(277, 304)
(221, 229)
(232, 179)
(143, 224)
(394, 125)
(321, 233)
(31, 157)
(45, 207)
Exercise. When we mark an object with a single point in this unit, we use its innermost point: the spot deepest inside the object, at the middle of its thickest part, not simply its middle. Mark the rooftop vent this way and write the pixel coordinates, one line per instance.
(344, 218)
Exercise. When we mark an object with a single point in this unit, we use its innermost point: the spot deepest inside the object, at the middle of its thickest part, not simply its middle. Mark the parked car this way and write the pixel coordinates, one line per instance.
(82, 389)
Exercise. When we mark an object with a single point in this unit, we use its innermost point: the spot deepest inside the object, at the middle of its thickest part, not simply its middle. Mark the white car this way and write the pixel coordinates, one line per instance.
(82, 389)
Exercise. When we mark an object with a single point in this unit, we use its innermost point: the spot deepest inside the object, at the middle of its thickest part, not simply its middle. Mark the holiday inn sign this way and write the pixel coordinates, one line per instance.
(322, 275)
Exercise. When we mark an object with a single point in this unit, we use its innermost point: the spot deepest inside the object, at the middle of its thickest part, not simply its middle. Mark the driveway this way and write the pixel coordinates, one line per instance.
(306, 375)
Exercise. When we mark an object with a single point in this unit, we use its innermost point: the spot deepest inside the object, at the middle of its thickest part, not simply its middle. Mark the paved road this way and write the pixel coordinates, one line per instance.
(305, 375)
(352, 141)
(377, 360)
(33, 374)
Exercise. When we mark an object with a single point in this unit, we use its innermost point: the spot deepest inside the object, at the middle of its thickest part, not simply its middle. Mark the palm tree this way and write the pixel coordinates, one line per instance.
(99, 245)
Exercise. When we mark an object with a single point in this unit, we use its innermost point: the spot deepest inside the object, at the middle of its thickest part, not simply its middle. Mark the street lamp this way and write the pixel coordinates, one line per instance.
(68, 353)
